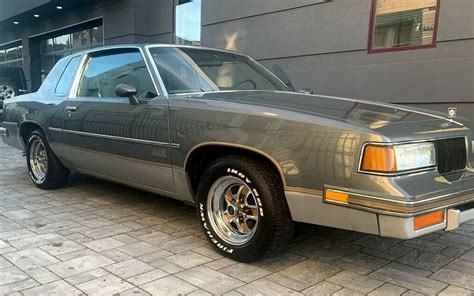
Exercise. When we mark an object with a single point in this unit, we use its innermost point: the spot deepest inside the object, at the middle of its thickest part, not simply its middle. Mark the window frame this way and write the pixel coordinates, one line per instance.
(74, 92)
(401, 48)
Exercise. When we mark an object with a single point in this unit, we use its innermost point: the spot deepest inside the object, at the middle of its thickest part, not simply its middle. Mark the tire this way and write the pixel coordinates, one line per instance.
(239, 176)
(8, 88)
(46, 171)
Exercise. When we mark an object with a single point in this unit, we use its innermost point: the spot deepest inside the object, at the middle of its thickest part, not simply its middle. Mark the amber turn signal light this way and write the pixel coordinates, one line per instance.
(379, 159)
(337, 196)
(429, 220)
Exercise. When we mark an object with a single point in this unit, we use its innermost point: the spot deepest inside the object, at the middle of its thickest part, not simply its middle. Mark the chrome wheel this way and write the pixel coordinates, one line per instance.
(6, 91)
(38, 159)
(233, 210)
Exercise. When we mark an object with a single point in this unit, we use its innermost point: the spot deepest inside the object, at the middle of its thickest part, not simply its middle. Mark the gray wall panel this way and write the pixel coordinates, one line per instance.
(444, 74)
(328, 27)
(456, 20)
(214, 11)
(325, 47)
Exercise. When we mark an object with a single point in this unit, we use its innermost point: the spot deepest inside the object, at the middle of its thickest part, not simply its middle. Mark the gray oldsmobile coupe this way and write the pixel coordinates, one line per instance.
(216, 129)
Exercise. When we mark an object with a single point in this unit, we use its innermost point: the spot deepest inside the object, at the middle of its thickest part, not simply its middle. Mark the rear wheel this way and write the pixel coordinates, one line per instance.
(243, 209)
(46, 171)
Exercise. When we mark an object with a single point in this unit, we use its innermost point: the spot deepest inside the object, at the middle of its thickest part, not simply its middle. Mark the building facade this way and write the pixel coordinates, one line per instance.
(413, 52)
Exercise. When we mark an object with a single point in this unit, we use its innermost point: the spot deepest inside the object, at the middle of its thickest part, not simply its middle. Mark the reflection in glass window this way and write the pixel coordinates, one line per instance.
(11, 56)
(12, 53)
(53, 49)
(97, 36)
(404, 24)
(62, 42)
(188, 22)
(105, 72)
(189, 70)
(81, 39)
(67, 76)
(46, 46)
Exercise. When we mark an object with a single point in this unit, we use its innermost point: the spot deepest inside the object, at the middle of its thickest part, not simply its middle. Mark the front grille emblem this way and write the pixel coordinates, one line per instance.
(452, 111)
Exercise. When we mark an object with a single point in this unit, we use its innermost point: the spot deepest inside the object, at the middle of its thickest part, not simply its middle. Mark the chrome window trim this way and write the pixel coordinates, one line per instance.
(109, 137)
(157, 72)
(77, 77)
(195, 47)
(86, 57)
(419, 170)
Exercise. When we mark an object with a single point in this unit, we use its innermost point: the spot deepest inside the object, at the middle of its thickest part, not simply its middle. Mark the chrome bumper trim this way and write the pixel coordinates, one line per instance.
(397, 207)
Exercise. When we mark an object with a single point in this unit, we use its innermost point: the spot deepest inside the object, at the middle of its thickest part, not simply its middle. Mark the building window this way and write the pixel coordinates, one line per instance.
(11, 56)
(187, 22)
(55, 48)
(403, 24)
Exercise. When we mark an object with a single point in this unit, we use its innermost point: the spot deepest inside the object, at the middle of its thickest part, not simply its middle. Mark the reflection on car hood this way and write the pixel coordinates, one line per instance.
(364, 113)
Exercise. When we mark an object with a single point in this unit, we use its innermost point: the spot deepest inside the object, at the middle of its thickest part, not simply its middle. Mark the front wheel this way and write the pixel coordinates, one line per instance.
(243, 209)
(46, 171)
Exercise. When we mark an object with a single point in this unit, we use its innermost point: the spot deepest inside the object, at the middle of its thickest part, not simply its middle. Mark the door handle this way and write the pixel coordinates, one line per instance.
(71, 109)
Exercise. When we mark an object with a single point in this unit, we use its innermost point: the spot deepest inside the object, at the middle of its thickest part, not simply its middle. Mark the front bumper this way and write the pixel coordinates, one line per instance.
(381, 215)
(409, 206)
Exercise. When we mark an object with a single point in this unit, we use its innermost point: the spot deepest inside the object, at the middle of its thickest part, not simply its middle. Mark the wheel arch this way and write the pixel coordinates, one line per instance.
(26, 128)
(203, 154)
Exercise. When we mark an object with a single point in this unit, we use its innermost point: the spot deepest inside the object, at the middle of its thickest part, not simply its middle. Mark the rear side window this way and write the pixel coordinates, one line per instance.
(66, 78)
(105, 71)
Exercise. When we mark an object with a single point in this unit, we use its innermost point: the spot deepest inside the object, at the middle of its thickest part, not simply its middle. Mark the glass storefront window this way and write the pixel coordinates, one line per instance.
(53, 49)
(81, 39)
(188, 22)
(46, 46)
(20, 52)
(403, 24)
(97, 36)
(62, 42)
(12, 53)
(2, 55)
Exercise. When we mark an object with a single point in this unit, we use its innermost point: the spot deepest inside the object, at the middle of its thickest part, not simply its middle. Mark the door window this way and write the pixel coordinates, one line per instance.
(105, 70)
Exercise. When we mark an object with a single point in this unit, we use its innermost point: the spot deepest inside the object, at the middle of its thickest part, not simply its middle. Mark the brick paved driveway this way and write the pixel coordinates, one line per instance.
(95, 237)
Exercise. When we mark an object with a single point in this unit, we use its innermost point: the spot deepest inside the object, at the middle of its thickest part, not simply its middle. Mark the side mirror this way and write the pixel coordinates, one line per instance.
(127, 91)
(306, 91)
(280, 74)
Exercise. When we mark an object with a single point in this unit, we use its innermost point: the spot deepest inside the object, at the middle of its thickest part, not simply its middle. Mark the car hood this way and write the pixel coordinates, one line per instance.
(373, 115)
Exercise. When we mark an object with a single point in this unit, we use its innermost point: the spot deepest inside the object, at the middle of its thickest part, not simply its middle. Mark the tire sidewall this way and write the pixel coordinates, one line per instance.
(37, 135)
(252, 249)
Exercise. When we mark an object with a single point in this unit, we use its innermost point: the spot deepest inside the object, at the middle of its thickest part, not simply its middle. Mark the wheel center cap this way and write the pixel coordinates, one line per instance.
(231, 210)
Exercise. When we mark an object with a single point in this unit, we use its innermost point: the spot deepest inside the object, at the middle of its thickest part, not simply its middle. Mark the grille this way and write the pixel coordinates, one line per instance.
(451, 155)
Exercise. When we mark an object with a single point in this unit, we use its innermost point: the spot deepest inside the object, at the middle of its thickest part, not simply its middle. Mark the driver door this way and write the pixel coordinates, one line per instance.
(104, 135)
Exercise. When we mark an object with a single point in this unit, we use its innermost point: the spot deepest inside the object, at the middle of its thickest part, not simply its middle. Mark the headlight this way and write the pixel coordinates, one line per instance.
(397, 158)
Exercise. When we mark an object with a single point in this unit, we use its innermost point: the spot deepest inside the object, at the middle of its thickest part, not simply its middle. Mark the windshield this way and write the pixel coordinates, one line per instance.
(188, 70)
